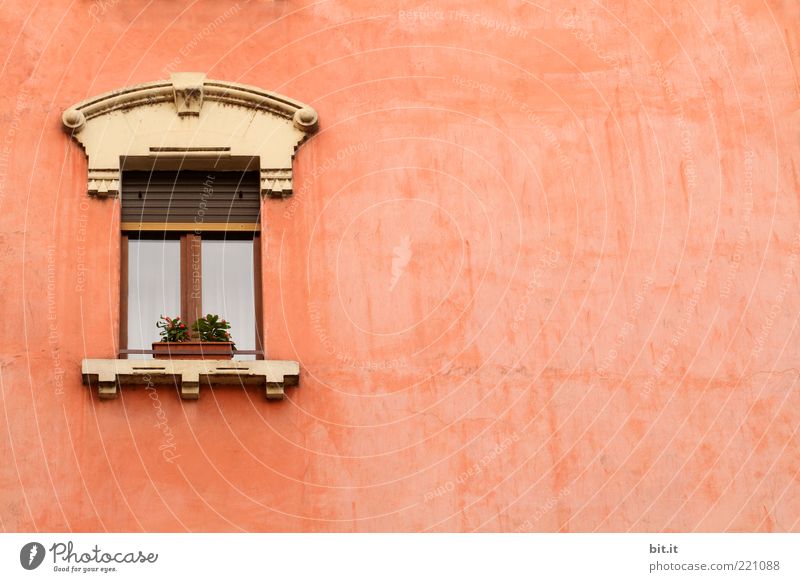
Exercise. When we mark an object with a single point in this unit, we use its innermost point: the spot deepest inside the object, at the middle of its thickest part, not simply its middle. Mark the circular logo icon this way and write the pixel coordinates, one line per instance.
(31, 555)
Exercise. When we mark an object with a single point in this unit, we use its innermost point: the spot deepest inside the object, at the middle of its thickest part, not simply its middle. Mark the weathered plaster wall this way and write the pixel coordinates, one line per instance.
(540, 271)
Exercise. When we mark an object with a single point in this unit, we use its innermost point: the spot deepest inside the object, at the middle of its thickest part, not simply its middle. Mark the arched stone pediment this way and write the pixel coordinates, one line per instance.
(190, 122)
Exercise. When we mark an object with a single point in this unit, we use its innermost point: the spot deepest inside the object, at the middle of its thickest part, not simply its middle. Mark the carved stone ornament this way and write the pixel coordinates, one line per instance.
(190, 122)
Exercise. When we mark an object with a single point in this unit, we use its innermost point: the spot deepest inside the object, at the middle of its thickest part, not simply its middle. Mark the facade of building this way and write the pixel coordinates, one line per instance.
(518, 267)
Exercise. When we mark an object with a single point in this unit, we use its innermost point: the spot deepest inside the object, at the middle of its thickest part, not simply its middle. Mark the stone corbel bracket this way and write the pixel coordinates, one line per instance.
(192, 118)
(109, 375)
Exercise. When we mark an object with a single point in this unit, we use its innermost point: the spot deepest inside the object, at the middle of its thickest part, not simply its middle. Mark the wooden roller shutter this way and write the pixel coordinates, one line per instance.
(190, 197)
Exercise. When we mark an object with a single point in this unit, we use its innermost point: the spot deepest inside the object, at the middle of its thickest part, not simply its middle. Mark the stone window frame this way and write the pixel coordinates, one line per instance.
(186, 122)
(190, 122)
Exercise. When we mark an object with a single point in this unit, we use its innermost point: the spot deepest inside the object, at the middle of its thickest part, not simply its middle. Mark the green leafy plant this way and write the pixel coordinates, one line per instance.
(213, 329)
(172, 329)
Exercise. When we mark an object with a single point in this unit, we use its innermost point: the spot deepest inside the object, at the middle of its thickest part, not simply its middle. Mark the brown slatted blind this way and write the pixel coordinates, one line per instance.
(190, 196)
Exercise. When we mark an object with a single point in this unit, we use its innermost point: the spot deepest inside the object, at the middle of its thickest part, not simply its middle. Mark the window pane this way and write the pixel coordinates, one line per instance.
(154, 289)
(228, 288)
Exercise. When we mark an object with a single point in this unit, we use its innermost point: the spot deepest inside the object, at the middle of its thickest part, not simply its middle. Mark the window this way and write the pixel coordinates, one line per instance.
(190, 241)
(229, 287)
(190, 246)
(153, 289)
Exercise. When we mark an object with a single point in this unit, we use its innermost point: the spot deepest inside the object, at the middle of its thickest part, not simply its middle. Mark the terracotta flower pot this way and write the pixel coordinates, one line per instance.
(193, 350)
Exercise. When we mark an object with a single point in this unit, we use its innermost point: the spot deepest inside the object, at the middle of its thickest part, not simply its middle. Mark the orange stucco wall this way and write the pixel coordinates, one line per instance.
(540, 271)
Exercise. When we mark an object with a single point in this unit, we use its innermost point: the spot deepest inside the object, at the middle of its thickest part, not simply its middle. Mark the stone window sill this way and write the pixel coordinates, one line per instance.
(109, 375)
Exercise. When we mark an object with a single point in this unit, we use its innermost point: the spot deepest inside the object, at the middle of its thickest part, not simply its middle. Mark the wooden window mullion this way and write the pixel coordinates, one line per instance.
(191, 278)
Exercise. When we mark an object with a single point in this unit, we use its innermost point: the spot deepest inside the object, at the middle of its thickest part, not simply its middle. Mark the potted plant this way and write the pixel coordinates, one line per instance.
(213, 333)
(173, 332)
(177, 344)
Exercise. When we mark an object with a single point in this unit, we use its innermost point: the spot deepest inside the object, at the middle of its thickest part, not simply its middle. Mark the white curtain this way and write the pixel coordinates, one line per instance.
(228, 288)
(154, 289)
